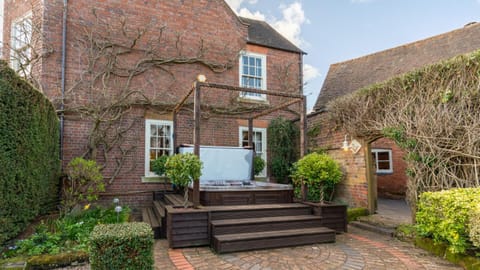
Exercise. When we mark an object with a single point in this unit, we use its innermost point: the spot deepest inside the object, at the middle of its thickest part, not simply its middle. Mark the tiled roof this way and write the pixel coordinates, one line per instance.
(346, 77)
(261, 33)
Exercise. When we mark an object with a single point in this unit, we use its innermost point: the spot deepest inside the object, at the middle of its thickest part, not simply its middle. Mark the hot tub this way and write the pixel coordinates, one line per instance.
(234, 192)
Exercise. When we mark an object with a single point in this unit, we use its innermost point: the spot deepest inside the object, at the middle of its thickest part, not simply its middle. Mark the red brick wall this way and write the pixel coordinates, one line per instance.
(353, 189)
(208, 20)
(392, 185)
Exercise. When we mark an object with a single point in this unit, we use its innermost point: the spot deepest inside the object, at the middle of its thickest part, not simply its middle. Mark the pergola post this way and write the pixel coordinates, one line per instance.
(303, 141)
(250, 144)
(196, 141)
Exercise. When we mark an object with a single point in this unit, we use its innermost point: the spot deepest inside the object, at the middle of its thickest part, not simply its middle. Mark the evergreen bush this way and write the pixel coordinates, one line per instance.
(282, 148)
(29, 154)
(320, 173)
(121, 246)
(445, 216)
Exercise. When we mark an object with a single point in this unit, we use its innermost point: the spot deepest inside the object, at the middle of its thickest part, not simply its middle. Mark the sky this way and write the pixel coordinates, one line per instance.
(333, 31)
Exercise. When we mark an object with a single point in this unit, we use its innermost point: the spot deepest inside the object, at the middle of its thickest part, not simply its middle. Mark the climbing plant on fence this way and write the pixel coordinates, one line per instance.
(29, 154)
(433, 113)
(282, 147)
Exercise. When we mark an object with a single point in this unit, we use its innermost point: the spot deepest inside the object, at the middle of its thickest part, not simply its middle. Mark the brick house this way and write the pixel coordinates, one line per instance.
(387, 177)
(116, 70)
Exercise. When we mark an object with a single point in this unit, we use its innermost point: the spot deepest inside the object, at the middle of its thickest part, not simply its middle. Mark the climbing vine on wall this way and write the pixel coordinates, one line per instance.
(282, 140)
(433, 113)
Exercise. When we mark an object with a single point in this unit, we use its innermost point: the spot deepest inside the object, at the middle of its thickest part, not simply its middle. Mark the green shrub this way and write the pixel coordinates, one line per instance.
(320, 173)
(84, 182)
(282, 147)
(445, 216)
(29, 154)
(121, 246)
(474, 226)
(158, 165)
(183, 169)
(354, 213)
(258, 165)
(69, 233)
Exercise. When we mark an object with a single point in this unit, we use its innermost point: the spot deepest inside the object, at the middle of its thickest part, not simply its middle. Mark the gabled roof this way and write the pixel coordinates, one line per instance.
(261, 33)
(349, 76)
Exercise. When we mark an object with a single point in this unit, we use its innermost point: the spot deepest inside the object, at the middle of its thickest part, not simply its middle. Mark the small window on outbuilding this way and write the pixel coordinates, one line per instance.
(382, 158)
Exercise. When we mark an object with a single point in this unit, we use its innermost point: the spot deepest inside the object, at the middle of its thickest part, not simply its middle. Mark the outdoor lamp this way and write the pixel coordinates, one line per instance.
(118, 209)
(345, 145)
(201, 78)
(116, 200)
(353, 146)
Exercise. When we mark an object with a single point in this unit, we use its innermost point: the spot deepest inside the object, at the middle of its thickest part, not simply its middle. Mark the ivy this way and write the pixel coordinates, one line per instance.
(282, 147)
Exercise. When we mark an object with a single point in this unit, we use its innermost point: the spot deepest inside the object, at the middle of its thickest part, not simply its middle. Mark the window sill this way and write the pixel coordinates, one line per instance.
(384, 173)
(154, 179)
(253, 100)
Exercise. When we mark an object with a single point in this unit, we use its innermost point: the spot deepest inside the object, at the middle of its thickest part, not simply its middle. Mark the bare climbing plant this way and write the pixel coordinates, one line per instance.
(432, 113)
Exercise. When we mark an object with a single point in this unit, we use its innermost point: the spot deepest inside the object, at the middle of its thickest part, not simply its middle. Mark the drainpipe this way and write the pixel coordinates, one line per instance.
(300, 69)
(62, 83)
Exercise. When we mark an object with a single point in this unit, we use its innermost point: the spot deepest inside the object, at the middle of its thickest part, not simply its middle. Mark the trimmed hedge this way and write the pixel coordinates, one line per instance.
(445, 216)
(474, 226)
(29, 154)
(121, 246)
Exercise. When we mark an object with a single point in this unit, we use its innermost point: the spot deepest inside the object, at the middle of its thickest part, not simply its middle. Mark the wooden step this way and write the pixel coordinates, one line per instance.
(149, 217)
(160, 212)
(258, 210)
(230, 226)
(175, 200)
(271, 239)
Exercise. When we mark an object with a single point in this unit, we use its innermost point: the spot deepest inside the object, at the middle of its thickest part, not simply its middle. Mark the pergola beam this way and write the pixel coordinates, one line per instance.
(196, 90)
(279, 107)
(251, 90)
(182, 101)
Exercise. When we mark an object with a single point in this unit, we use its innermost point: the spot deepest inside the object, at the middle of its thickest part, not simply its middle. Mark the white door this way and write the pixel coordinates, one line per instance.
(259, 142)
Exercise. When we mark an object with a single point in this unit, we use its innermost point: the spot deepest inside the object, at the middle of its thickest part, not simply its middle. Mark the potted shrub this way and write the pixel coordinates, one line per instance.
(182, 169)
(258, 165)
(319, 173)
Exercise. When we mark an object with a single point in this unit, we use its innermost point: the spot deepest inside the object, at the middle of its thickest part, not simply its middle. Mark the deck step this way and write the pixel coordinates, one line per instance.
(258, 211)
(149, 217)
(175, 200)
(272, 239)
(160, 212)
(244, 225)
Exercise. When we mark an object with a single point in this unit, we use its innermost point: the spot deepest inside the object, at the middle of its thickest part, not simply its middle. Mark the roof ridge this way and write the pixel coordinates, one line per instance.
(420, 41)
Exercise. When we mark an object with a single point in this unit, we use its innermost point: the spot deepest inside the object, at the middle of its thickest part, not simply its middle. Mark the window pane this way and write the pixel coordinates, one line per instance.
(153, 130)
(383, 156)
(259, 62)
(245, 70)
(153, 142)
(251, 61)
(245, 60)
(384, 165)
(153, 154)
(252, 71)
(259, 72)
(245, 135)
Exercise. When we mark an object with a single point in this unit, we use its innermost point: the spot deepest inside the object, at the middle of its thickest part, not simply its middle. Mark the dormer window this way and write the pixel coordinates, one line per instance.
(253, 74)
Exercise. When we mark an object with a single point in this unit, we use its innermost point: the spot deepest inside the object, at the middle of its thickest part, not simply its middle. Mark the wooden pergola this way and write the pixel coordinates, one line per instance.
(196, 91)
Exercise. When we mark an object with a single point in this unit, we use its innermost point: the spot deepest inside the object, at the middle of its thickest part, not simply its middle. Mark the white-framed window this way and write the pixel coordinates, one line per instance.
(158, 141)
(382, 159)
(253, 74)
(20, 43)
(259, 137)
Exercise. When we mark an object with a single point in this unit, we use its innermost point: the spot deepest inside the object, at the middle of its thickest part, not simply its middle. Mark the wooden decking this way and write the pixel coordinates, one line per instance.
(237, 227)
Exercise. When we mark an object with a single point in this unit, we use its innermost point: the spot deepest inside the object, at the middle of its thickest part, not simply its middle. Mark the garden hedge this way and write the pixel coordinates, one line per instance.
(121, 246)
(446, 216)
(29, 154)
